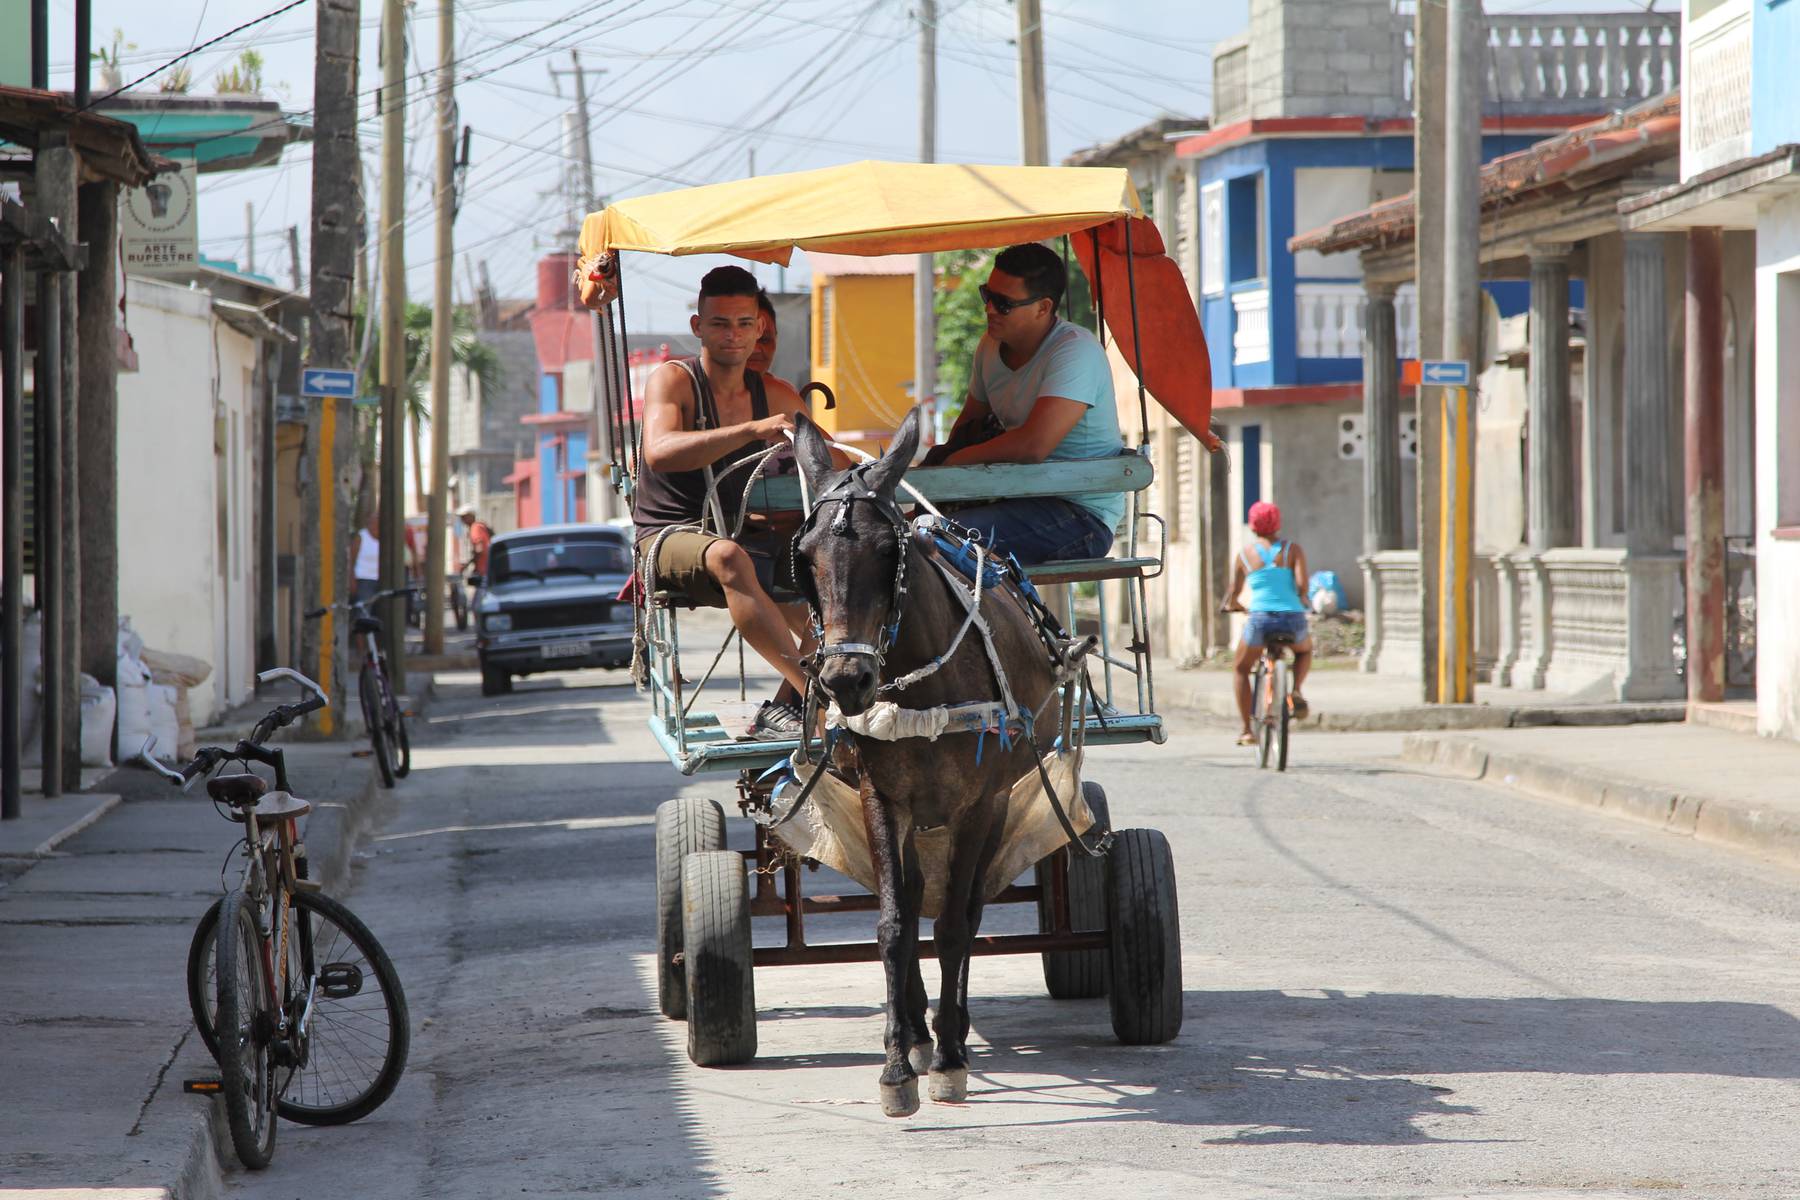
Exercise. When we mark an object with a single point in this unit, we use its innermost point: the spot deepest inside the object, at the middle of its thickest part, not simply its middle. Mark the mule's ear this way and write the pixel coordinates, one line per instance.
(885, 476)
(810, 448)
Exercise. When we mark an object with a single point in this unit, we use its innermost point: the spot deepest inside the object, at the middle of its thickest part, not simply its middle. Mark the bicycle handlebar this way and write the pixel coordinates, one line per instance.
(208, 757)
(350, 605)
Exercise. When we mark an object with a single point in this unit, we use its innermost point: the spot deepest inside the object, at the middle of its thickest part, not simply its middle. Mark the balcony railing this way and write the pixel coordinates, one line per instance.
(1328, 320)
(1571, 63)
(1715, 106)
(1250, 332)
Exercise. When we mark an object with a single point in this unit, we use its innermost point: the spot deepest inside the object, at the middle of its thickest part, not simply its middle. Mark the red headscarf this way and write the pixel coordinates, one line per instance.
(1265, 519)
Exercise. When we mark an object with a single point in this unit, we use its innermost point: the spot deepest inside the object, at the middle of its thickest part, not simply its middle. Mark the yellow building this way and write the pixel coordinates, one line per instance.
(862, 343)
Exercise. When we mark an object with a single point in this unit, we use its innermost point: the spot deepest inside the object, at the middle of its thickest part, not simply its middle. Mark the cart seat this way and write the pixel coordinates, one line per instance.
(1082, 570)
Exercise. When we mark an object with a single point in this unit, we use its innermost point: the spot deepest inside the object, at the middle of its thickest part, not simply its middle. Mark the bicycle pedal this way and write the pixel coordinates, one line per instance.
(201, 1087)
(361, 753)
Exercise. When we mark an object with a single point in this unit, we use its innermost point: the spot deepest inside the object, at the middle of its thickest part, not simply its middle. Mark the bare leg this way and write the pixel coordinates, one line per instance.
(1302, 661)
(1240, 680)
(759, 620)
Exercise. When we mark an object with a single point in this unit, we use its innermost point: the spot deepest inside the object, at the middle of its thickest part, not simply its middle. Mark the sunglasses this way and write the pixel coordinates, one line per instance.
(1004, 304)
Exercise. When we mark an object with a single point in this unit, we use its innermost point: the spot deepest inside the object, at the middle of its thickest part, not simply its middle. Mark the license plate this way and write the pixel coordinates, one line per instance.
(564, 649)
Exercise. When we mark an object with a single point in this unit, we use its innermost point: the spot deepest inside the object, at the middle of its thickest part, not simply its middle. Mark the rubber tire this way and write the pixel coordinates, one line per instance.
(1144, 952)
(1260, 724)
(715, 936)
(685, 825)
(399, 1024)
(370, 694)
(201, 987)
(401, 741)
(1284, 715)
(494, 682)
(246, 1080)
(1078, 974)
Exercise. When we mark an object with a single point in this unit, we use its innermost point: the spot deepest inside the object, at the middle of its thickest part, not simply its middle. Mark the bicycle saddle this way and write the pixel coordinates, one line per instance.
(276, 806)
(366, 625)
(240, 789)
(1280, 639)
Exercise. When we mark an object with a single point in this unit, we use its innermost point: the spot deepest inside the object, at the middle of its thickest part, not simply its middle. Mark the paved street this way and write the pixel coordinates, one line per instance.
(1397, 985)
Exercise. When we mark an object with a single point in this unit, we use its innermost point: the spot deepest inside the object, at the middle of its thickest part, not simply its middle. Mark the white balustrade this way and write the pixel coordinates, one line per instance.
(1250, 333)
(1573, 62)
(1328, 319)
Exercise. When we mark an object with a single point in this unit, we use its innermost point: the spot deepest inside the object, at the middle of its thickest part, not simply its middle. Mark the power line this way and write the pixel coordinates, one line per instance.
(292, 4)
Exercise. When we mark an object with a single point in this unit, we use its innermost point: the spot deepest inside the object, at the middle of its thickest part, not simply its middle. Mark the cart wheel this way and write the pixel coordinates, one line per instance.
(685, 825)
(715, 933)
(1078, 974)
(1144, 952)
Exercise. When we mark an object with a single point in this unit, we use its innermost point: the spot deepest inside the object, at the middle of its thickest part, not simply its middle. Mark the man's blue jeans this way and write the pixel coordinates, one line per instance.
(1038, 529)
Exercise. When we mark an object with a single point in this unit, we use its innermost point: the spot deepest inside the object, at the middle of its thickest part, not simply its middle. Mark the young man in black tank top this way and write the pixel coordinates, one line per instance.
(685, 431)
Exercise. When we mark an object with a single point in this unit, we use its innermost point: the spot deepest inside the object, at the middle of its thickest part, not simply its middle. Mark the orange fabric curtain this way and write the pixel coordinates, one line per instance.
(1175, 368)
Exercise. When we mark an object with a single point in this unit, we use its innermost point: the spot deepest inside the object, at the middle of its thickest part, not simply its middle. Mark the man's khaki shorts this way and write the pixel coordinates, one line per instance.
(681, 566)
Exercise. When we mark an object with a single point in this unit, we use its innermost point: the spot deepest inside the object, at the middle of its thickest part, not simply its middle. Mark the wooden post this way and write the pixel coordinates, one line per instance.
(1705, 409)
(442, 314)
(393, 330)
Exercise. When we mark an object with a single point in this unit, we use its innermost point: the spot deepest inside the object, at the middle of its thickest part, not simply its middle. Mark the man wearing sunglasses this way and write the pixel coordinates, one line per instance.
(1040, 389)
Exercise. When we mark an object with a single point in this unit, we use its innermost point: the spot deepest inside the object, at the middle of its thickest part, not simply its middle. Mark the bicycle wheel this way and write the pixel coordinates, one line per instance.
(246, 1028)
(1284, 711)
(1259, 712)
(398, 739)
(353, 1050)
(369, 692)
(202, 977)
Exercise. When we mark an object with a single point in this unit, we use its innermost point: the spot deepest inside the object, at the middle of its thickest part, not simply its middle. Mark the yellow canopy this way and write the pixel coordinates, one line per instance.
(866, 208)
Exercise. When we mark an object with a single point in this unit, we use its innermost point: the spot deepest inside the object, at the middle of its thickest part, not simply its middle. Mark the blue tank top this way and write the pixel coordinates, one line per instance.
(1271, 585)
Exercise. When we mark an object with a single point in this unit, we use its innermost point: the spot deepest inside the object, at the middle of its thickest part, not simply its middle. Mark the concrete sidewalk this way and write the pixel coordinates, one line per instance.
(1345, 700)
(99, 894)
(1732, 788)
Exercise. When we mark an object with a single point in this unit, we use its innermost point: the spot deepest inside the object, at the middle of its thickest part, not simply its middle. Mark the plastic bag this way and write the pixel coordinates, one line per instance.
(1324, 593)
(97, 710)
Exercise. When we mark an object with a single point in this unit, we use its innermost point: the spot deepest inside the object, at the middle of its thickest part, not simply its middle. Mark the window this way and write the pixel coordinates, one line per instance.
(1244, 230)
(1787, 399)
(543, 557)
(1212, 239)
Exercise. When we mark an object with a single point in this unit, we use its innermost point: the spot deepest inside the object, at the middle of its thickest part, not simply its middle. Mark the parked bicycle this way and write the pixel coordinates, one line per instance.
(298, 1002)
(382, 714)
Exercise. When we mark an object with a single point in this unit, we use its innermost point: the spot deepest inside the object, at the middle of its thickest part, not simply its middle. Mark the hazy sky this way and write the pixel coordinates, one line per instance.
(691, 89)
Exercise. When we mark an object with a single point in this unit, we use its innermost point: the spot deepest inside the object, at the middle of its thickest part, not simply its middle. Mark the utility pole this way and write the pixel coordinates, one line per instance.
(293, 239)
(925, 274)
(393, 327)
(1428, 156)
(438, 510)
(330, 474)
(605, 506)
(1462, 334)
(249, 238)
(1034, 138)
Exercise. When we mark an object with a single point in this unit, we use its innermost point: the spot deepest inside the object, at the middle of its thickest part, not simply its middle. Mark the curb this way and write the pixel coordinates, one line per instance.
(1440, 717)
(1713, 819)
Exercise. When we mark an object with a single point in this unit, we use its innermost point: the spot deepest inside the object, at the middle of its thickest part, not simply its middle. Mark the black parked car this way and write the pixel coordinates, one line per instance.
(549, 603)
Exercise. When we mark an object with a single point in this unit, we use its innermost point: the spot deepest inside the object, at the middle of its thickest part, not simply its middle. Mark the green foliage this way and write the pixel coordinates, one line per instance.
(962, 318)
(178, 81)
(108, 56)
(243, 77)
(466, 351)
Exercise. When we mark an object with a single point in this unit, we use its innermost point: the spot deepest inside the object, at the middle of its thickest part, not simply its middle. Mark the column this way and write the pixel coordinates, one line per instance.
(1649, 416)
(1652, 568)
(1704, 366)
(1381, 420)
(1550, 494)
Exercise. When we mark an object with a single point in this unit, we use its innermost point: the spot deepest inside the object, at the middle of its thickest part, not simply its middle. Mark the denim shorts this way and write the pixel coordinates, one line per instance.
(1261, 624)
(1038, 529)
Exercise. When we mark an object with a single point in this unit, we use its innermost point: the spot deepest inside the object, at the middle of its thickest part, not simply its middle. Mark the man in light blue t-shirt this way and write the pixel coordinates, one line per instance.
(1045, 387)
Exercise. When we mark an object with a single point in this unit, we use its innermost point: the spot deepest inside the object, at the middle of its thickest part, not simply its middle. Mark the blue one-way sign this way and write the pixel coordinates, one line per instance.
(1450, 372)
(333, 385)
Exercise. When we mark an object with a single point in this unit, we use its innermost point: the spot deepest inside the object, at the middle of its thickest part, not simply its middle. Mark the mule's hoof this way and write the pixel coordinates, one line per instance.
(919, 1057)
(900, 1099)
(950, 1087)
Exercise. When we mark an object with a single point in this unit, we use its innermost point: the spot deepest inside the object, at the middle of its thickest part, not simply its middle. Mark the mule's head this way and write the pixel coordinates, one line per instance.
(848, 558)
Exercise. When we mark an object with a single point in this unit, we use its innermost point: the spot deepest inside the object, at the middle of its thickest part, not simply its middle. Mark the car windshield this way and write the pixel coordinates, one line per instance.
(561, 554)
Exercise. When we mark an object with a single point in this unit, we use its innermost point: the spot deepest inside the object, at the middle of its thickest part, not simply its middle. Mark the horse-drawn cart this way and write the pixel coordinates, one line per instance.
(1105, 899)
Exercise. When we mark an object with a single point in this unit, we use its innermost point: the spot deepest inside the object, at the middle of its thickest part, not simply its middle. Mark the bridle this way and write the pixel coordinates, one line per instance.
(851, 489)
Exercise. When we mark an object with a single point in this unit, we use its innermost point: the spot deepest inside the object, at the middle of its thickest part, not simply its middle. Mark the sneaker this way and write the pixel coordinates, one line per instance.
(776, 721)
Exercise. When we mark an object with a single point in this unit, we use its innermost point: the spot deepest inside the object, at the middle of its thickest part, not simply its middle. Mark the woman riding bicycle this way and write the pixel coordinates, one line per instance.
(1275, 571)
